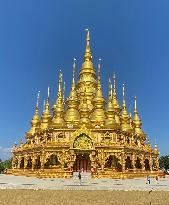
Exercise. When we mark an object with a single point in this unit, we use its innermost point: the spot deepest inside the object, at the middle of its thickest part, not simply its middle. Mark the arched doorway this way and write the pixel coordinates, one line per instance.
(147, 165)
(112, 162)
(52, 162)
(138, 163)
(22, 163)
(128, 163)
(37, 163)
(82, 162)
(29, 163)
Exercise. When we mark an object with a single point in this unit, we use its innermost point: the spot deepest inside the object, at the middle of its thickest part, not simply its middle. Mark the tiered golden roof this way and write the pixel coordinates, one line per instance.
(86, 104)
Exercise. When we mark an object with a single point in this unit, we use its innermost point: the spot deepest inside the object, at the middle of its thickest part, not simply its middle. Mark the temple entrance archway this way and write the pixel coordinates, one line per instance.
(82, 162)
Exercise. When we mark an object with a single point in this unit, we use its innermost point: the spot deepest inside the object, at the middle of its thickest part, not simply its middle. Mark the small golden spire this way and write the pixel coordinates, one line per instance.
(37, 102)
(124, 102)
(64, 89)
(74, 71)
(72, 115)
(125, 119)
(110, 120)
(137, 121)
(35, 122)
(135, 104)
(60, 83)
(99, 83)
(155, 145)
(37, 106)
(58, 108)
(46, 116)
(98, 114)
(110, 89)
(48, 92)
(44, 105)
(116, 106)
(114, 80)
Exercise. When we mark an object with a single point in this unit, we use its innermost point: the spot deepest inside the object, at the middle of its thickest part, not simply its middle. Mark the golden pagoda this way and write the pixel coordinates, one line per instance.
(85, 131)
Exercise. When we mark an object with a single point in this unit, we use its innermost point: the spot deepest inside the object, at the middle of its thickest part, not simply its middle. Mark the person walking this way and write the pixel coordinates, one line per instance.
(148, 179)
(80, 177)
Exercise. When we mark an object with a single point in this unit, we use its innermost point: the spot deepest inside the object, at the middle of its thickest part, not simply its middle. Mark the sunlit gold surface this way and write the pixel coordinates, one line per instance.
(86, 123)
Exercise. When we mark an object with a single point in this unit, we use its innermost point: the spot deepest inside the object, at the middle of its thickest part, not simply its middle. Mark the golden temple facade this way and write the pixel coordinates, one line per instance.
(87, 132)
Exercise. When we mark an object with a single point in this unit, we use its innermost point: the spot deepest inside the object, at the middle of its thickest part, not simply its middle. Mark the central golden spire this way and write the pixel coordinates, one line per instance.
(87, 77)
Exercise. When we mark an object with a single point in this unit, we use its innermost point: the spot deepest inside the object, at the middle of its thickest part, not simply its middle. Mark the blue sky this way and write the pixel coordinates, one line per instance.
(39, 37)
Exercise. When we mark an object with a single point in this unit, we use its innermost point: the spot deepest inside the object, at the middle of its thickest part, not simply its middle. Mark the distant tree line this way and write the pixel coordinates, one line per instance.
(7, 164)
(164, 162)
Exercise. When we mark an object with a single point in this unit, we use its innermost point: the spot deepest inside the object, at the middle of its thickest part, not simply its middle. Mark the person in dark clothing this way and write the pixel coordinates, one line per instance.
(80, 177)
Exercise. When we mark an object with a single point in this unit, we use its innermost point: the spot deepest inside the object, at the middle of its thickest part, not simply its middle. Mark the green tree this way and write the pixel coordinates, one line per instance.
(1, 166)
(164, 162)
(7, 164)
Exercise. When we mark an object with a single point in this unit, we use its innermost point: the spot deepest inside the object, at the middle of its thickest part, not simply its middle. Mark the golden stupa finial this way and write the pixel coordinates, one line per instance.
(124, 102)
(44, 103)
(59, 94)
(87, 56)
(37, 102)
(99, 81)
(130, 110)
(114, 80)
(155, 145)
(135, 104)
(74, 71)
(64, 90)
(110, 88)
(48, 92)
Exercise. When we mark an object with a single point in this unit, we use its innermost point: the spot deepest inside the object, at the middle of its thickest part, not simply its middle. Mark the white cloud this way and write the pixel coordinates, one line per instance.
(5, 153)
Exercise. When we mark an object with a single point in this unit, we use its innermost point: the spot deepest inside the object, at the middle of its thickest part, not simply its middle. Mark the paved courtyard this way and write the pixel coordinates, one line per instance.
(22, 182)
